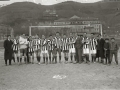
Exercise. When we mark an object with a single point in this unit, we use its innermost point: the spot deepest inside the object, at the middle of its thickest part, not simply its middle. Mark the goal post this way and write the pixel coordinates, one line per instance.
(30, 27)
(66, 29)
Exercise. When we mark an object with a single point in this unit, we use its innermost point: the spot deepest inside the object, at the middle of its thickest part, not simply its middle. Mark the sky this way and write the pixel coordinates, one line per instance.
(46, 2)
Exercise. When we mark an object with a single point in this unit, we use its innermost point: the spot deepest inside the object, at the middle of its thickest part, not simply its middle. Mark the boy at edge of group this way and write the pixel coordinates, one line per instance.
(114, 50)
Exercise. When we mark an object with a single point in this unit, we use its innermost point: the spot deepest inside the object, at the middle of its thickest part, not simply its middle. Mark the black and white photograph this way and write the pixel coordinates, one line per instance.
(59, 44)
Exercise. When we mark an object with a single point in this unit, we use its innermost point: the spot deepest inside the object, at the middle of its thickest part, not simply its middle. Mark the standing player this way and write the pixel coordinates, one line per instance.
(58, 44)
(37, 51)
(65, 47)
(23, 47)
(16, 49)
(93, 45)
(86, 50)
(54, 53)
(50, 46)
(72, 47)
(44, 49)
(31, 50)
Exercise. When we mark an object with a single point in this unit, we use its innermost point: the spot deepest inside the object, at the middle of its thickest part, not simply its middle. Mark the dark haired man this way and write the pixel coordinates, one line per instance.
(107, 51)
(58, 43)
(50, 47)
(65, 48)
(72, 40)
(114, 50)
(98, 47)
(93, 44)
(8, 50)
(78, 49)
(101, 46)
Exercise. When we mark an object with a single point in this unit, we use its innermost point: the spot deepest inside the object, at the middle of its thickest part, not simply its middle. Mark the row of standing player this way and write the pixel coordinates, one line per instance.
(48, 48)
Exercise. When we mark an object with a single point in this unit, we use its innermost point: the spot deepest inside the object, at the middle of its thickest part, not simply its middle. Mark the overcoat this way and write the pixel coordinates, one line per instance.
(8, 49)
(101, 46)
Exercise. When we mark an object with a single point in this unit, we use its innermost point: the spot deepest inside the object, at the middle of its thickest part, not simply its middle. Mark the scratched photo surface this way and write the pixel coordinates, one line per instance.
(60, 44)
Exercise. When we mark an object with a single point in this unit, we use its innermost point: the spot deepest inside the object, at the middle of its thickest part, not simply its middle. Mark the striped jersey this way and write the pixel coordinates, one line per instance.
(86, 44)
(39, 41)
(16, 45)
(65, 45)
(44, 45)
(93, 44)
(36, 44)
(30, 46)
(72, 41)
(50, 44)
(58, 42)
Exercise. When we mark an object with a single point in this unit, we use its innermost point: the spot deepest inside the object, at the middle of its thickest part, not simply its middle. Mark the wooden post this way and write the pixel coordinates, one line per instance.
(30, 30)
(101, 29)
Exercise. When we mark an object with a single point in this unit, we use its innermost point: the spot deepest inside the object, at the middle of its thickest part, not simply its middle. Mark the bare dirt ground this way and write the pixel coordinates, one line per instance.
(40, 77)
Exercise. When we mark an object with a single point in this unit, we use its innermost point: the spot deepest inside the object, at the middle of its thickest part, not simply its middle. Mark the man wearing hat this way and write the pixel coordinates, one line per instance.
(78, 48)
(114, 50)
(8, 50)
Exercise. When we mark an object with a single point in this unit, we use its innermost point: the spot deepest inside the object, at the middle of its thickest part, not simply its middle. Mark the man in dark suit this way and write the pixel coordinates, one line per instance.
(8, 50)
(101, 45)
(107, 51)
(78, 48)
(114, 50)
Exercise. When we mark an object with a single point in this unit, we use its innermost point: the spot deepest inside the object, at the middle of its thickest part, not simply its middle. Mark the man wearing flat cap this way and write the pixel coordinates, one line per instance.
(78, 48)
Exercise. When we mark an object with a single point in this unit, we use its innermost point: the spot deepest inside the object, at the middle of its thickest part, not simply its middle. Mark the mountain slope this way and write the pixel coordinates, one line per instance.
(19, 13)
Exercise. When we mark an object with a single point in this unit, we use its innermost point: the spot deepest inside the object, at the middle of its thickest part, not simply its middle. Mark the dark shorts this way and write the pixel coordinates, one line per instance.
(65, 51)
(15, 51)
(98, 54)
(23, 51)
(30, 53)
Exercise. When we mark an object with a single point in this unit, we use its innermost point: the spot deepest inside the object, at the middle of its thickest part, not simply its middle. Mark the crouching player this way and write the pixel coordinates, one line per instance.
(65, 47)
(72, 48)
(31, 50)
(44, 50)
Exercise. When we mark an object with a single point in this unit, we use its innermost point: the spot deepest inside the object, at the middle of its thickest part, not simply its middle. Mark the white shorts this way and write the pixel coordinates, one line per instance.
(44, 52)
(86, 51)
(72, 50)
(93, 51)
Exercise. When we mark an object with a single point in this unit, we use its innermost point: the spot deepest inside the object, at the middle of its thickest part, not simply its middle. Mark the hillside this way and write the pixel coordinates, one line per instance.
(17, 13)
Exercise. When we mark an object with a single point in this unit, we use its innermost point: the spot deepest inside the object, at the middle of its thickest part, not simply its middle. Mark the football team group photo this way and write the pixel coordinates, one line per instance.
(59, 44)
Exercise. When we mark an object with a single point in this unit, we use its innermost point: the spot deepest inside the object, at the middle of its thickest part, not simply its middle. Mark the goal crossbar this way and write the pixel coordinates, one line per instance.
(68, 26)
(30, 27)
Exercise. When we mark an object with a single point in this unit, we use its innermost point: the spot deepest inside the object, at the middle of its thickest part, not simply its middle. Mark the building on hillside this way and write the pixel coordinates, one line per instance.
(81, 24)
(50, 15)
(75, 20)
(75, 24)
